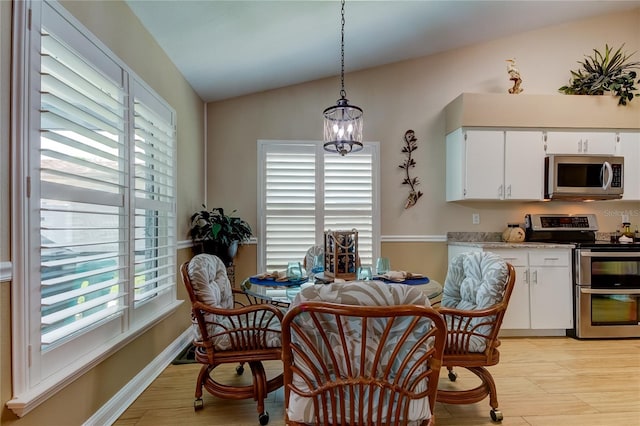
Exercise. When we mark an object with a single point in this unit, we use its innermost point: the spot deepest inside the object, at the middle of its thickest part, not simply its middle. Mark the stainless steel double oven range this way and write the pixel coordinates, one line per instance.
(606, 275)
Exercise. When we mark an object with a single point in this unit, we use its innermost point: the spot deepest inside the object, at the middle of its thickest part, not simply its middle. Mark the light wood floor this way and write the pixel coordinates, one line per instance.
(541, 382)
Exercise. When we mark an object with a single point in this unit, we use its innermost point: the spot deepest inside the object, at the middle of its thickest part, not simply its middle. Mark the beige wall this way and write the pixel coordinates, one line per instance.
(413, 95)
(118, 28)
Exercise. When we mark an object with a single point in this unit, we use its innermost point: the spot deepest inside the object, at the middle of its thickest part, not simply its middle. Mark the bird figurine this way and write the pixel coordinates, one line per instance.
(514, 75)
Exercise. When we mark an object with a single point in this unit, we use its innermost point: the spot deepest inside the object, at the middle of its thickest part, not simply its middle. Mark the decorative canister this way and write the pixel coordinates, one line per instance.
(513, 234)
(341, 254)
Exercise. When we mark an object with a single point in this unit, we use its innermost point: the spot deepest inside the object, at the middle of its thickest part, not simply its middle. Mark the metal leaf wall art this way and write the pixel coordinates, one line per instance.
(411, 144)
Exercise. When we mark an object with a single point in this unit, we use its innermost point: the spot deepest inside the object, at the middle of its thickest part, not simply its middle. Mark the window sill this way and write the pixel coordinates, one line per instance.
(27, 401)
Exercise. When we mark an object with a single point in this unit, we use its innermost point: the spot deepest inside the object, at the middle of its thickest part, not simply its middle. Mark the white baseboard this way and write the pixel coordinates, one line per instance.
(109, 413)
(532, 333)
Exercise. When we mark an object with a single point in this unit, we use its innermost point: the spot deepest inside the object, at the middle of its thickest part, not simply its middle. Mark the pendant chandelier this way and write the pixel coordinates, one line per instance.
(342, 122)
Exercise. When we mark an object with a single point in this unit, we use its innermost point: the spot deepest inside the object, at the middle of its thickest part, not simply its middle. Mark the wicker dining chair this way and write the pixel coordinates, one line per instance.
(475, 298)
(228, 332)
(361, 353)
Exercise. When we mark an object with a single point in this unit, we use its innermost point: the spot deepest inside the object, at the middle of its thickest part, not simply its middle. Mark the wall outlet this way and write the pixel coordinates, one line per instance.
(625, 218)
(475, 218)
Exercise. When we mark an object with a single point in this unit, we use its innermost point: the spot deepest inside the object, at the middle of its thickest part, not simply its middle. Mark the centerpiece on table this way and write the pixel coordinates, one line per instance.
(214, 232)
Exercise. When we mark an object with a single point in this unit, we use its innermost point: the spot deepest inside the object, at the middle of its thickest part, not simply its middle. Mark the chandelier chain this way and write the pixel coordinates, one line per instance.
(343, 93)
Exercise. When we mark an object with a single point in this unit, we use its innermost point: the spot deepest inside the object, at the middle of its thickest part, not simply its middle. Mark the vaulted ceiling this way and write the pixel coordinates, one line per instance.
(232, 48)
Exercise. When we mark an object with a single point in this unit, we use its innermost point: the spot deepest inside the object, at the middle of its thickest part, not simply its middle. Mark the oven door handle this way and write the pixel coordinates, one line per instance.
(634, 253)
(625, 292)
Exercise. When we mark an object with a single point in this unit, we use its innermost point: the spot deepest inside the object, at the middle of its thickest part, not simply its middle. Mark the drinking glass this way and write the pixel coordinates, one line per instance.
(318, 263)
(364, 273)
(382, 265)
(294, 271)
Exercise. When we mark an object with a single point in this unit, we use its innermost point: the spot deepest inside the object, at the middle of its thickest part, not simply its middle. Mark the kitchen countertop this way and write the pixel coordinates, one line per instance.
(494, 240)
(503, 245)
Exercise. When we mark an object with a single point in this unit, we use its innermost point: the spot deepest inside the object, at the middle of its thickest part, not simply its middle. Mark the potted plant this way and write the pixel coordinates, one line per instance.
(212, 231)
(601, 73)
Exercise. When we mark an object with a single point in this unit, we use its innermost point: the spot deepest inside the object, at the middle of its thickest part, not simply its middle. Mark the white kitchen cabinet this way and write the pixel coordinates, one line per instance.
(629, 148)
(523, 165)
(580, 142)
(542, 298)
(487, 164)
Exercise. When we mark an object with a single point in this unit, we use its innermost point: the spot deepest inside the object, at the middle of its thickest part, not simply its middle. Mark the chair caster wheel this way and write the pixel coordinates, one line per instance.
(239, 370)
(198, 404)
(453, 376)
(496, 415)
(263, 418)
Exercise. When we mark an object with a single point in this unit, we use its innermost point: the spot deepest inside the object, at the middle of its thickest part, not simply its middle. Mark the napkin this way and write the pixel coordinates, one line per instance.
(279, 276)
(399, 276)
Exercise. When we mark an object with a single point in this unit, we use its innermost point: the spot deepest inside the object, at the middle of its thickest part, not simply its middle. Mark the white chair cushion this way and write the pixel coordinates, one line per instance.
(209, 280)
(475, 281)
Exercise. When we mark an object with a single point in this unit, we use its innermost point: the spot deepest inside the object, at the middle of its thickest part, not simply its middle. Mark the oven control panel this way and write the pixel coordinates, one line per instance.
(561, 222)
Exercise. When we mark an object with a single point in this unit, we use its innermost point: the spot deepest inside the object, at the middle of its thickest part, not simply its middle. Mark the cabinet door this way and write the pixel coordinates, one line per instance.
(550, 289)
(455, 166)
(517, 315)
(484, 164)
(551, 300)
(629, 148)
(569, 142)
(524, 165)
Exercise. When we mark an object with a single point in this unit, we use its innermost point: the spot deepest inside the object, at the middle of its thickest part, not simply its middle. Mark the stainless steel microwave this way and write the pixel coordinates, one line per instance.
(583, 177)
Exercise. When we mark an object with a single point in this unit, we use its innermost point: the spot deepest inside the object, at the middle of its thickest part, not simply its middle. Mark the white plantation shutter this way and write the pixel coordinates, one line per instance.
(154, 222)
(348, 197)
(96, 238)
(305, 191)
(82, 173)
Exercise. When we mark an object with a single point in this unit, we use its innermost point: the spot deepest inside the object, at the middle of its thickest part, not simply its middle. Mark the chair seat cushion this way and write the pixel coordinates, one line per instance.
(256, 330)
(208, 276)
(474, 281)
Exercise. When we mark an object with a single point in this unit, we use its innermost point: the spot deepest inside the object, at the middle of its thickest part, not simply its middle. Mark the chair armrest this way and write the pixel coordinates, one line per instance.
(243, 310)
(471, 331)
(445, 311)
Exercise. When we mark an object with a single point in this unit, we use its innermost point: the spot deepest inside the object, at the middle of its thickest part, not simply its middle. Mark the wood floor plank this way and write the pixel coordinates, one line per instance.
(541, 382)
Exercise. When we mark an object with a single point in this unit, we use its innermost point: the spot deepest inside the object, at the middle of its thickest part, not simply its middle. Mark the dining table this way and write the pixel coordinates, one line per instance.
(282, 293)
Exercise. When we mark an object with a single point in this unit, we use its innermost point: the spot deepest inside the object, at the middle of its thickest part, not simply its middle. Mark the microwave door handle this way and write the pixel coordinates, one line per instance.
(609, 175)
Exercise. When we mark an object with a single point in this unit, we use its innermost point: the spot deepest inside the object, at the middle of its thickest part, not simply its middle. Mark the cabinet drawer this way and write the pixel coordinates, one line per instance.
(549, 258)
(514, 257)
